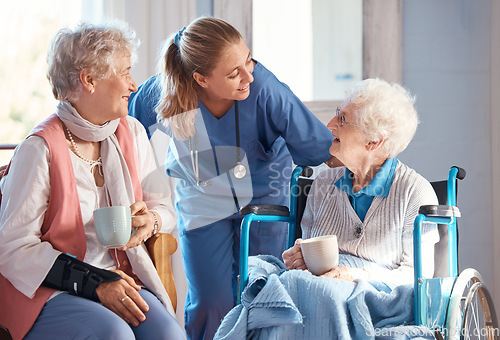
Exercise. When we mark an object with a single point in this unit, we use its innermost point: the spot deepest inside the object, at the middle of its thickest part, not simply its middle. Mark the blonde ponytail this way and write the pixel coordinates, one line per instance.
(197, 48)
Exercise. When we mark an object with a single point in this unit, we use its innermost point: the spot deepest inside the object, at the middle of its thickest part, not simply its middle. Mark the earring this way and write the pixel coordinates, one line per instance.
(92, 91)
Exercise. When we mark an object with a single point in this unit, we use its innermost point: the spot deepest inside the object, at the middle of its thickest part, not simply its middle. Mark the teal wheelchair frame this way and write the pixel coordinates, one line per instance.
(454, 307)
(268, 213)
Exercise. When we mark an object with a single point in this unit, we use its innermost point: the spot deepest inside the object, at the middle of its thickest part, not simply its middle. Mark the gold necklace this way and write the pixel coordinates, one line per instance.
(77, 152)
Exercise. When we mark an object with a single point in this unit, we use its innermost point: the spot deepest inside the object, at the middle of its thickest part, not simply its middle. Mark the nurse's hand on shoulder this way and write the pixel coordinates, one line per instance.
(293, 257)
(333, 162)
(123, 299)
(143, 222)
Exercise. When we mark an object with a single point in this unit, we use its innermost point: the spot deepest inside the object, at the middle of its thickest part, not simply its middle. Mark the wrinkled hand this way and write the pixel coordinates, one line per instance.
(123, 299)
(144, 221)
(346, 273)
(293, 257)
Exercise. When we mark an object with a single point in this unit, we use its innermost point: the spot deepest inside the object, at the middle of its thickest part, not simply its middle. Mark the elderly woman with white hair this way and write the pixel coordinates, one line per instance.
(56, 280)
(372, 201)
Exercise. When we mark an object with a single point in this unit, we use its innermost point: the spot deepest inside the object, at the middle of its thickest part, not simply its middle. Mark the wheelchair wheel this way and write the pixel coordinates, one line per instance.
(471, 314)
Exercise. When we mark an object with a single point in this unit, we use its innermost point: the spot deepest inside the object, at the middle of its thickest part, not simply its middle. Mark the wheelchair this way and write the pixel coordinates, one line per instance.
(452, 306)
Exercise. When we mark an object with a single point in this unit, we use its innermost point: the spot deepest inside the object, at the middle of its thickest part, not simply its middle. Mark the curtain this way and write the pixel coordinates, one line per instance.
(153, 20)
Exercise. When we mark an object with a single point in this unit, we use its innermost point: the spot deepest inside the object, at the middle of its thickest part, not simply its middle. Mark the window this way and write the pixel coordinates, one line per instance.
(381, 39)
(26, 28)
(313, 46)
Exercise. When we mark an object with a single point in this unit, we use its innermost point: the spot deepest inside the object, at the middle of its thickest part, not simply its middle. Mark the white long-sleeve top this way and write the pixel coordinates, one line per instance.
(24, 259)
(387, 237)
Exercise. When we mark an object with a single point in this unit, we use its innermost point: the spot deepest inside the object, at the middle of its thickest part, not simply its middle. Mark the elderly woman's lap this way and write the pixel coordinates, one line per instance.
(71, 317)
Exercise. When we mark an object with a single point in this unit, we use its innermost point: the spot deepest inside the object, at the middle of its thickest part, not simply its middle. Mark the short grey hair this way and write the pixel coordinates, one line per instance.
(87, 46)
(384, 110)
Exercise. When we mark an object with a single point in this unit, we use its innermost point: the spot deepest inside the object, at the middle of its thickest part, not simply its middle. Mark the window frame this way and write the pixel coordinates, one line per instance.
(382, 41)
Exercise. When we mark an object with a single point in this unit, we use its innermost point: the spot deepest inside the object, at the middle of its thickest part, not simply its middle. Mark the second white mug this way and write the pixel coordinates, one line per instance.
(320, 253)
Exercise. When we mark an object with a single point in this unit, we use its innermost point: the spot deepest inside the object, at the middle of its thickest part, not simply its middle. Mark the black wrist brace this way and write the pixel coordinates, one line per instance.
(77, 277)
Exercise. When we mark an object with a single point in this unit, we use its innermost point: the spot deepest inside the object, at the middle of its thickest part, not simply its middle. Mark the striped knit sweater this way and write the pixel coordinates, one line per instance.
(387, 238)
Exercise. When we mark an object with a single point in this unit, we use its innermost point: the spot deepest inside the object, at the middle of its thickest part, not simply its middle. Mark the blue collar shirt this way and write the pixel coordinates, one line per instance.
(378, 186)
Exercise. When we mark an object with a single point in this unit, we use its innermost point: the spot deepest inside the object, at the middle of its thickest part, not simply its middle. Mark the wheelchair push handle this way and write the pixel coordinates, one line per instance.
(280, 210)
(460, 172)
(440, 214)
(306, 171)
(454, 174)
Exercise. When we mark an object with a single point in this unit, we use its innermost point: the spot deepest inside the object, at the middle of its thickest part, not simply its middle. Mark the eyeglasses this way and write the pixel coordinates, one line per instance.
(342, 120)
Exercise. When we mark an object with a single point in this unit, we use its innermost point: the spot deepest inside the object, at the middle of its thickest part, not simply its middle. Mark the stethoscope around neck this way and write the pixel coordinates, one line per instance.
(239, 170)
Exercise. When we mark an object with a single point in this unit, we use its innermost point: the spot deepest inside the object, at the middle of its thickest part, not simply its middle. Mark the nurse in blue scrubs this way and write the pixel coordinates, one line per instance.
(235, 130)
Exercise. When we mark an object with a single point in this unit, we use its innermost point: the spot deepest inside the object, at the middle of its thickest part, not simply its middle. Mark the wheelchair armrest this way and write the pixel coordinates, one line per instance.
(439, 211)
(265, 209)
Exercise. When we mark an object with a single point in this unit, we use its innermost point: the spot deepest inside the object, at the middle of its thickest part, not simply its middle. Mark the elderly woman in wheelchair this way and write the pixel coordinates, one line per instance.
(379, 209)
(371, 202)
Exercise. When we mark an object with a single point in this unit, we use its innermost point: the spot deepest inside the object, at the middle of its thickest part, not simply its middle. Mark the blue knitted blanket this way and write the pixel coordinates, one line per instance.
(281, 304)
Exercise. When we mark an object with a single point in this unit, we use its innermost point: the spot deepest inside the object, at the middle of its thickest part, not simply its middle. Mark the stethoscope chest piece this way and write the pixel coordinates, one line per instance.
(204, 183)
(239, 171)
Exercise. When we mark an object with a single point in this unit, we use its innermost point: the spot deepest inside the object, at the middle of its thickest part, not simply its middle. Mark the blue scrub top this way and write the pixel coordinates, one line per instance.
(378, 186)
(142, 104)
(275, 128)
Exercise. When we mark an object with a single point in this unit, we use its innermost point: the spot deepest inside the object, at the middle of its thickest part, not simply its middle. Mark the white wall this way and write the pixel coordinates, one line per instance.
(155, 21)
(495, 140)
(447, 64)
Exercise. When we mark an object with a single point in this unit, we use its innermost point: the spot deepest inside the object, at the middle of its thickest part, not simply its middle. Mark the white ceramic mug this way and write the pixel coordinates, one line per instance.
(320, 253)
(113, 226)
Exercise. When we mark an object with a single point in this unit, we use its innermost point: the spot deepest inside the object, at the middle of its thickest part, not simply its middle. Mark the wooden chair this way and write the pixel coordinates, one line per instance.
(160, 248)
